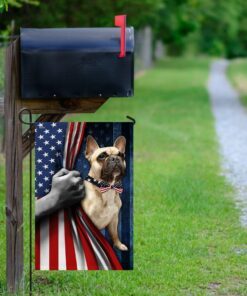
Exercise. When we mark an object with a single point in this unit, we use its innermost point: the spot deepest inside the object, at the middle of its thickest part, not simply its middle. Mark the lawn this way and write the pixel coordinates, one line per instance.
(187, 235)
(238, 74)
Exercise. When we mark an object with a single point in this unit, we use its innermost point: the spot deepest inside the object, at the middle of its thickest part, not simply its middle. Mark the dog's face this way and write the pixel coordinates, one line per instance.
(107, 163)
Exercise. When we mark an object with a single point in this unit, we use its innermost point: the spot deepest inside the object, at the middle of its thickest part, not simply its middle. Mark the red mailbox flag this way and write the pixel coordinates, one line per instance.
(120, 21)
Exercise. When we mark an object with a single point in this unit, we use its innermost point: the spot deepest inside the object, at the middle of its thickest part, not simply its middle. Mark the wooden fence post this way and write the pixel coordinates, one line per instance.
(14, 201)
(17, 147)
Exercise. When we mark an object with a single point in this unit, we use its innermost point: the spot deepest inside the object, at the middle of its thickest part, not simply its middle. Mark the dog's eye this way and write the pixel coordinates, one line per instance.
(102, 156)
(121, 154)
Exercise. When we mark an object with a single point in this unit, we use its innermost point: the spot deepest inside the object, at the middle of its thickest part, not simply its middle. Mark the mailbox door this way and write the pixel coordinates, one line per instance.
(76, 63)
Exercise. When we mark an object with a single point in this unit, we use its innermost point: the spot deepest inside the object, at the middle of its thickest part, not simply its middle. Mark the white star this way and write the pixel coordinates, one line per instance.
(52, 160)
(39, 148)
(59, 130)
(53, 124)
(45, 154)
(45, 166)
(39, 160)
(46, 131)
(39, 173)
(46, 178)
(52, 148)
(51, 172)
(47, 190)
(36, 190)
(40, 185)
(53, 136)
(59, 142)
(40, 124)
(46, 142)
(58, 154)
(41, 137)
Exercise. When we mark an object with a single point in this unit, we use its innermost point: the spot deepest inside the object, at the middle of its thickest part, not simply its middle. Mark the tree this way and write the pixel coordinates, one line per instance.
(176, 20)
(219, 26)
(78, 13)
(211, 27)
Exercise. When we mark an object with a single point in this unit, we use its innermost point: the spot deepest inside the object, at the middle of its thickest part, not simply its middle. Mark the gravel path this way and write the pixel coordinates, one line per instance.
(231, 128)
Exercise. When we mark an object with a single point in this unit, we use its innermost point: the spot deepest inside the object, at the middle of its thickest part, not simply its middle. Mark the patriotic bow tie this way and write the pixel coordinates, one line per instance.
(104, 186)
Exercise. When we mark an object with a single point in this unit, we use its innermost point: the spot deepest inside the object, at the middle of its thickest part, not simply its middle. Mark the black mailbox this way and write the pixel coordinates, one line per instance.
(76, 63)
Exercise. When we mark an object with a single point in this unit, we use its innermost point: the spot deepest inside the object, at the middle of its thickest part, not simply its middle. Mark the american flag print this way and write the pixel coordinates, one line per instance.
(67, 239)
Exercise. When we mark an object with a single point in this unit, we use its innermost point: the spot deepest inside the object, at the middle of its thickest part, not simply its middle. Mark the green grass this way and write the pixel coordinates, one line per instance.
(187, 234)
(237, 72)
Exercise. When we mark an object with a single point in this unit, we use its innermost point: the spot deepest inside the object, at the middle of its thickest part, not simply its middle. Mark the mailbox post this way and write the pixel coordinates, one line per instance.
(53, 72)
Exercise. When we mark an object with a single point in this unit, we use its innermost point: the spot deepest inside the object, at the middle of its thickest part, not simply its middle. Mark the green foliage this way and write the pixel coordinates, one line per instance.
(217, 28)
(175, 21)
(15, 3)
(84, 13)
(20, 3)
(3, 5)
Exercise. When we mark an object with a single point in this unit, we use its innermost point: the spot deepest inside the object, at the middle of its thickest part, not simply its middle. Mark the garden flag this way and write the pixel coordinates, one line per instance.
(90, 164)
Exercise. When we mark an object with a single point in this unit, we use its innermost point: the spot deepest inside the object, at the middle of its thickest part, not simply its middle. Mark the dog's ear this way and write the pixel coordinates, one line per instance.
(120, 144)
(91, 146)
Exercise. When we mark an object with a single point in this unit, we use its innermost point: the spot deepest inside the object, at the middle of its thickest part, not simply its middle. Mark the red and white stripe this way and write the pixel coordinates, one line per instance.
(68, 240)
(104, 189)
(119, 190)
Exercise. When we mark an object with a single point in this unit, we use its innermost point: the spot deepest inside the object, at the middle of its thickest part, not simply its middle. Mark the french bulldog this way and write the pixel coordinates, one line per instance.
(108, 165)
